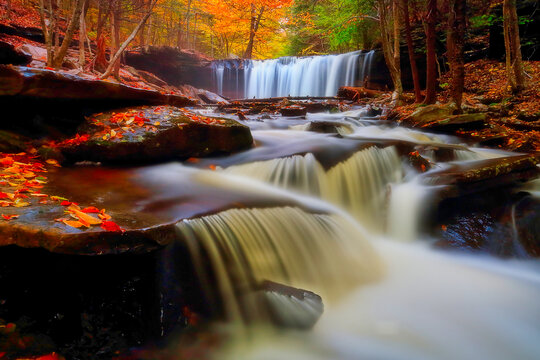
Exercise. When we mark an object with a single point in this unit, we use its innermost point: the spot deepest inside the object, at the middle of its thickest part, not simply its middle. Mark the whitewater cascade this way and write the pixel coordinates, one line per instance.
(358, 184)
(246, 247)
(291, 76)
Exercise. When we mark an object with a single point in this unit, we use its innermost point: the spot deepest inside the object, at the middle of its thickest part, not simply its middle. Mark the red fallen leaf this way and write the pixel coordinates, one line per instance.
(7, 161)
(111, 226)
(90, 209)
(3, 195)
(212, 167)
(67, 203)
(9, 217)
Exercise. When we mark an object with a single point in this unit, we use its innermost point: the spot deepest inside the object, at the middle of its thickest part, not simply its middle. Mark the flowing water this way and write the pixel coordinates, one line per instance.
(291, 76)
(357, 237)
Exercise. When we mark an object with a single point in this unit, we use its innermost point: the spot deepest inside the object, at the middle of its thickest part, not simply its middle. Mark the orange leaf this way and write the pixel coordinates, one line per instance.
(9, 217)
(86, 218)
(75, 224)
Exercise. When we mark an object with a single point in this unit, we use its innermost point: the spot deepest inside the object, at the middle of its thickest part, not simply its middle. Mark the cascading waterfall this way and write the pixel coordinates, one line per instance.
(246, 247)
(293, 76)
(357, 184)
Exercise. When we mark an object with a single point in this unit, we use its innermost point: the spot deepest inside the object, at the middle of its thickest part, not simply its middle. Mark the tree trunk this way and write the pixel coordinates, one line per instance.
(75, 17)
(390, 43)
(125, 44)
(431, 71)
(410, 50)
(82, 34)
(255, 22)
(46, 31)
(514, 64)
(455, 42)
(188, 11)
(195, 31)
(115, 37)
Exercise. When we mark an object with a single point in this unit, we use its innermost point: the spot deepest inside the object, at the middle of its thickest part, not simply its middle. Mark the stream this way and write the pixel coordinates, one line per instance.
(361, 241)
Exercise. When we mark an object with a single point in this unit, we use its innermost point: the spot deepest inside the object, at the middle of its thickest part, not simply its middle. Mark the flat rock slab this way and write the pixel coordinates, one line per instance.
(144, 134)
(146, 201)
(47, 84)
(473, 176)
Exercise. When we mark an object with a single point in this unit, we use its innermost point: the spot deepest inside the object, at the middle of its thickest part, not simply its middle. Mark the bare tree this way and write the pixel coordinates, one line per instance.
(389, 26)
(455, 43)
(125, 44)
(431, 62)
(55, 57)
(410, 50)
(514, 63)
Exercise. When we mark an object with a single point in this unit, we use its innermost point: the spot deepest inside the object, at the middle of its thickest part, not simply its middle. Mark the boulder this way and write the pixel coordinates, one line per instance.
(36, 52)
(291, 307)
(10, 55)
(329, 127)
(144, 134)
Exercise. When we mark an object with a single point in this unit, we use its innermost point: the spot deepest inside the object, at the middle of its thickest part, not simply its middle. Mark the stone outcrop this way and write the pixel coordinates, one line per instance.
(47, 84)
(175, 66)
(145, 134)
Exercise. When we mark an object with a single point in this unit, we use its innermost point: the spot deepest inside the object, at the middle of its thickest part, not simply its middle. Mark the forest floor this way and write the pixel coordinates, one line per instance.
(514, 118)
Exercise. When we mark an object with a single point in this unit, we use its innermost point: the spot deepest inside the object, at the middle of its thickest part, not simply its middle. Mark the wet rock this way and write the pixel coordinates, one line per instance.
(419, 163)
(10, 55)
(147, 202)
(498, 222)
(144, 134)
(291, 307)
(474, 176)
(328, 127)
(293, 110)
(46, 84)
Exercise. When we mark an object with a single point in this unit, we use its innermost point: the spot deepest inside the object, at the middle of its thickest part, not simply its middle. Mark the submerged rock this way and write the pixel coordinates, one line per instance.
(159, 133)
(291, 307)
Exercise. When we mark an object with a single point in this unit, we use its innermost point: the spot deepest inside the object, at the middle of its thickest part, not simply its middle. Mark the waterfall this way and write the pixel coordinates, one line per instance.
(246, 247)
(293, 76)
(358, 184)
